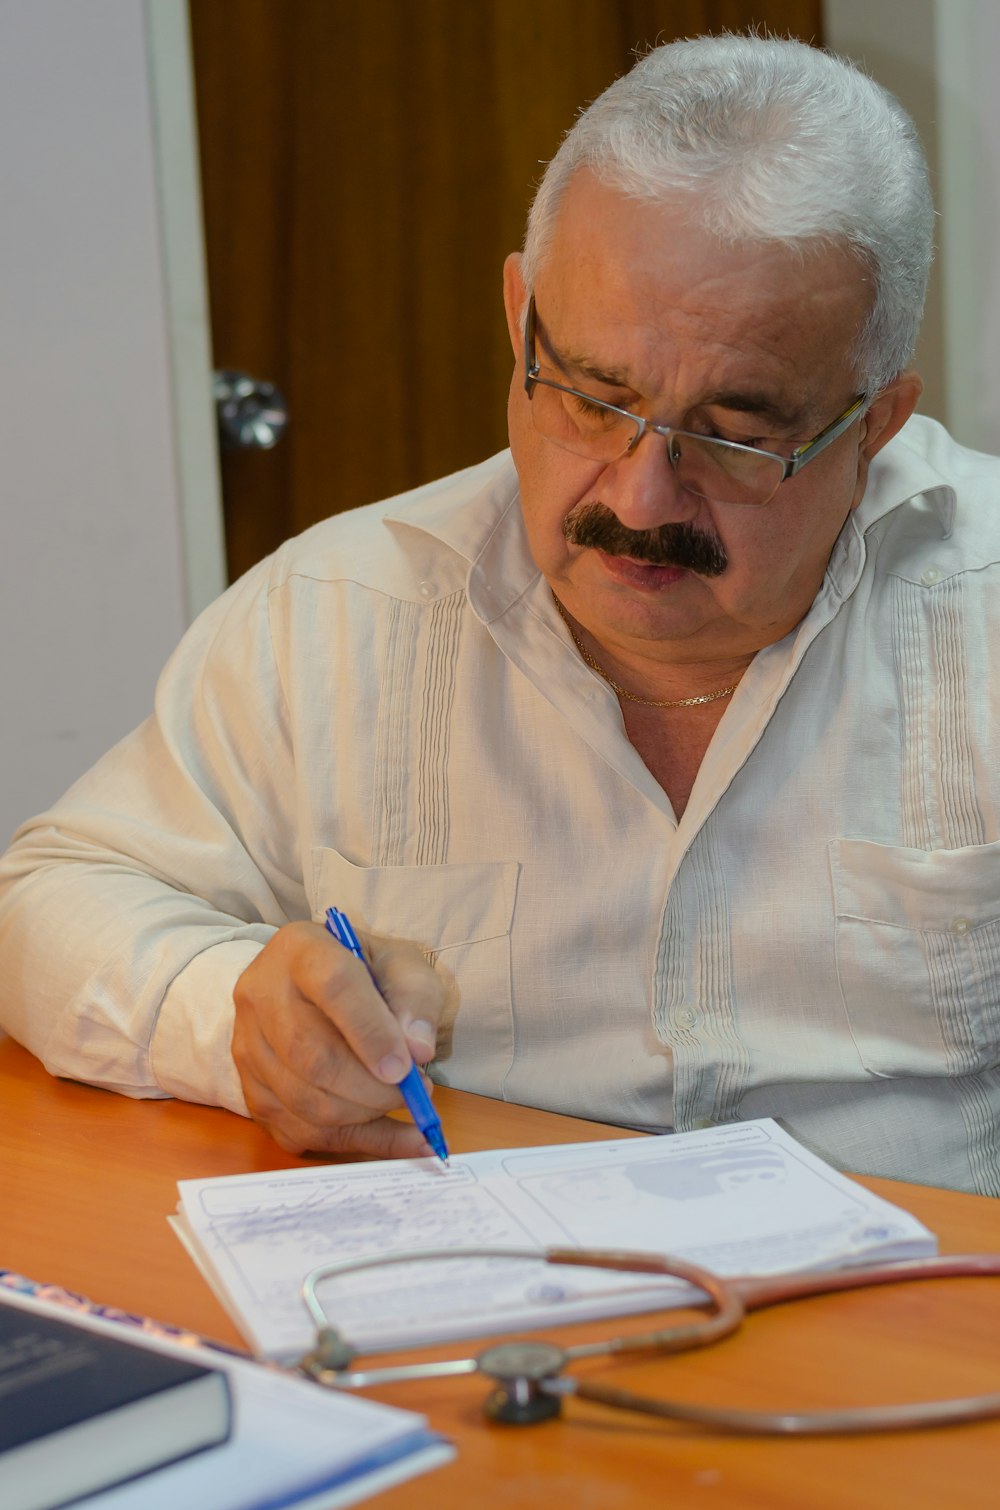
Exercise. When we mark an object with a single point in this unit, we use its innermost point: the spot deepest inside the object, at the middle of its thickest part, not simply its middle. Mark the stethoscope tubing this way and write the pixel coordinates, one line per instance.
(530, 1370)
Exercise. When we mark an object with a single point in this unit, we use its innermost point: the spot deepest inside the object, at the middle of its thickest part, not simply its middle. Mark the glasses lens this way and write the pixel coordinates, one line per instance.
(724, 473)
(575, 423)
(712, 469)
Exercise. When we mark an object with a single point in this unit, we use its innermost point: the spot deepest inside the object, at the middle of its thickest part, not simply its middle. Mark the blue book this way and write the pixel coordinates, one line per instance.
(292, 1442)
(81, 1410)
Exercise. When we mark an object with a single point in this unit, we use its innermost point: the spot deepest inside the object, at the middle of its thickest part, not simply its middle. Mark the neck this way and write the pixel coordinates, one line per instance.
(646, 681)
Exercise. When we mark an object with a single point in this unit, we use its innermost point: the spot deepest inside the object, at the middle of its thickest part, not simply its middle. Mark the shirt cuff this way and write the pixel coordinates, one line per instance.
(191, 1052)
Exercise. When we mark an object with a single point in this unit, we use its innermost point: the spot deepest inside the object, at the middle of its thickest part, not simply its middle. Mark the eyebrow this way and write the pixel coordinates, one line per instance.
(570, 364)
(759, 405)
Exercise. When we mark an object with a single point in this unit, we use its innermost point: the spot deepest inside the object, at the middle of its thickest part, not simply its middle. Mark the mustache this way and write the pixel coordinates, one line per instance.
(681, 545)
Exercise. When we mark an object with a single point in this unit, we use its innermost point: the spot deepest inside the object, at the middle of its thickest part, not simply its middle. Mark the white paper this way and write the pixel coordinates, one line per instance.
(283, 1443)
(740, 1199)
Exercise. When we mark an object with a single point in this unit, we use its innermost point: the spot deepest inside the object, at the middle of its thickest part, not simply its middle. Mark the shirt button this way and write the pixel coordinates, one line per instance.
(930, 576)
(426, 589)
(961, 925)
(686, 1018)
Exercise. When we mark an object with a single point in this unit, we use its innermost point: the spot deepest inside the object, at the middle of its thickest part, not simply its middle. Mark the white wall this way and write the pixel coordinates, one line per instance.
(967, 46)
(940, 58)
(98, 572)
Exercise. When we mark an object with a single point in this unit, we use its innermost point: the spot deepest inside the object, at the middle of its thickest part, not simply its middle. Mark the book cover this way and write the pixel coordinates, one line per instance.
(81, 1411)
(292, 1443)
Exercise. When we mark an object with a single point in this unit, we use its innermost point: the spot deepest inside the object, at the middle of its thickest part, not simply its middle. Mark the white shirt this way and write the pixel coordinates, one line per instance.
(389, 716)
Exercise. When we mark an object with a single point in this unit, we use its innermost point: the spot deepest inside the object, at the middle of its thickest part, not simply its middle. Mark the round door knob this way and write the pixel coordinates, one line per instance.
(252, 415)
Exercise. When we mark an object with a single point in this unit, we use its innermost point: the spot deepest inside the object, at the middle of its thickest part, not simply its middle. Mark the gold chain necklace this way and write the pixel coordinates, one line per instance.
(633, 697)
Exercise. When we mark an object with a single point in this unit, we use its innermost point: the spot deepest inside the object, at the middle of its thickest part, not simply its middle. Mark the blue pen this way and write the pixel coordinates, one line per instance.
(411, 1086)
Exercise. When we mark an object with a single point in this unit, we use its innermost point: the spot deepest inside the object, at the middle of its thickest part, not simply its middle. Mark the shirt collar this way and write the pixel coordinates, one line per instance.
(476, 514)
(903, 470)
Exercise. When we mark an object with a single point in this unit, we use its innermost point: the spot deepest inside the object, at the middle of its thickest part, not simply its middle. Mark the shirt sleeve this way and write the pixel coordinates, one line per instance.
(129, 910)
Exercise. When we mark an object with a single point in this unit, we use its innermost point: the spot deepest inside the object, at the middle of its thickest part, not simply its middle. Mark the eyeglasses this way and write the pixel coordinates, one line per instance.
(722, 471)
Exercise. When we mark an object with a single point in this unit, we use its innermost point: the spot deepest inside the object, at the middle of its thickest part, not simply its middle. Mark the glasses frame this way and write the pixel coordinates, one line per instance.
(790, 465)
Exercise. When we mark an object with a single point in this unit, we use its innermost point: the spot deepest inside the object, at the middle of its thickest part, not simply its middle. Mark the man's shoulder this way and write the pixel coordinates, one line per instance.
(416, 544)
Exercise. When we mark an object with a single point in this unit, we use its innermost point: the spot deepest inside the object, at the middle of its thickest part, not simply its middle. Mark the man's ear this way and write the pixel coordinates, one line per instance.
(888, 413)
(514, 299)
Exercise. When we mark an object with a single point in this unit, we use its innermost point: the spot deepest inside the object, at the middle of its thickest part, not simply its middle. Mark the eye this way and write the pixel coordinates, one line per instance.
(589, 413)
(752, 442)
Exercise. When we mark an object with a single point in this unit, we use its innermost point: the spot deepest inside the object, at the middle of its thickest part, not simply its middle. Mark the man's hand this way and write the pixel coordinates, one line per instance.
(320, 1052)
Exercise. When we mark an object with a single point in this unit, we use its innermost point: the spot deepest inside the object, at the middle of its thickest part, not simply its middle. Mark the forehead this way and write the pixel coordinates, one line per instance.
(641, 286)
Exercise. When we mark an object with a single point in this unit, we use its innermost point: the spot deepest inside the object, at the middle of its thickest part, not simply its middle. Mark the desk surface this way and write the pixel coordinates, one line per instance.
(88, 1178)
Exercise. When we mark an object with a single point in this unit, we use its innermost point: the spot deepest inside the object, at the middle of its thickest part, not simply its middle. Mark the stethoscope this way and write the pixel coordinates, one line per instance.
(529, 1384)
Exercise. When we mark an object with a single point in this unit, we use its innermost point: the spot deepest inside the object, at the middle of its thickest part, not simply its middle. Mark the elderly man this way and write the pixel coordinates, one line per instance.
(655, 761)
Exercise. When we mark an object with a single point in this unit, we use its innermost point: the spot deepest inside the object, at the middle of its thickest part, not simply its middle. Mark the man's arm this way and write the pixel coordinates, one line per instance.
(168, 879)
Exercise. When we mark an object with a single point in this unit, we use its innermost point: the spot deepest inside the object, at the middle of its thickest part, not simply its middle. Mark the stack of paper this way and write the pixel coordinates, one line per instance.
(741, 1199)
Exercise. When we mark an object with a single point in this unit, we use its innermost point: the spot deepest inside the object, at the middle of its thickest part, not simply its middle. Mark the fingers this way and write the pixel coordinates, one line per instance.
(320, 1052)
(413, 990)
(385, 1027)
(306, 966)
(305, 1119)
(379, 1138)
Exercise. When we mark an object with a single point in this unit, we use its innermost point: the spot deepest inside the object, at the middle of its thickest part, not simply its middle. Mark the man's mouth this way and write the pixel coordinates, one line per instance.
(641, 574)
(679, 547)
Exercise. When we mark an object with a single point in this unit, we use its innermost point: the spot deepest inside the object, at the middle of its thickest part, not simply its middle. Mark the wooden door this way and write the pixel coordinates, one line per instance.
(366, 166)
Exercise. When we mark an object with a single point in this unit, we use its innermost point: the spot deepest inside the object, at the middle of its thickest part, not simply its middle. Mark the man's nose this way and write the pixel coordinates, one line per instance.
(642, 489)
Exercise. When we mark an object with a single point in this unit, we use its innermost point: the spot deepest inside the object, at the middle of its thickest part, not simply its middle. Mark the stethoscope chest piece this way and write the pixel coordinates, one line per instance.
(521, 1370)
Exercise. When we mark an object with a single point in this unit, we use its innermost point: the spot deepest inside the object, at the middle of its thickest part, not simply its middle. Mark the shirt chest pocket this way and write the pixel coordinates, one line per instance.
(918, 955)
(460, 915)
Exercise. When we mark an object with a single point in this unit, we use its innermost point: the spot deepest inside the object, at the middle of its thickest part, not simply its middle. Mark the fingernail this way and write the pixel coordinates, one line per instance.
(392, 1068)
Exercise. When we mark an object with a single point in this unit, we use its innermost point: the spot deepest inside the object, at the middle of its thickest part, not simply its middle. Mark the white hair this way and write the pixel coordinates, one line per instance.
(773, 140)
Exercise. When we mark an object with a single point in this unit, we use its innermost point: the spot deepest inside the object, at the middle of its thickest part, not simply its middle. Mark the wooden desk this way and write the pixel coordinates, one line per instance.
(87, 1179)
